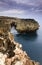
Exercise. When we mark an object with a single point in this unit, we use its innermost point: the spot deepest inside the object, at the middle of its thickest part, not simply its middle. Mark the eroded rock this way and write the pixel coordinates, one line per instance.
(21, 25)
(11, 52)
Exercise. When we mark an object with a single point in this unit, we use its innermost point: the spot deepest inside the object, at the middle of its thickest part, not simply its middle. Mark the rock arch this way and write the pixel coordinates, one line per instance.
(13, 24)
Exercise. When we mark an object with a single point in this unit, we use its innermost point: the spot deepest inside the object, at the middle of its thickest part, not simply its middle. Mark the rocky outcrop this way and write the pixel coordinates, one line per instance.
(21, 25)
(11, 52)
(28, 25)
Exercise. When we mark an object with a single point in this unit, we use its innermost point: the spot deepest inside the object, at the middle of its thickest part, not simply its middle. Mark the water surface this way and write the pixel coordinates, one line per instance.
(32, 43)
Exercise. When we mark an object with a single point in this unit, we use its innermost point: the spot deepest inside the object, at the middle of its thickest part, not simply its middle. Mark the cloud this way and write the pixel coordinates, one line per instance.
(29, 2)
(8, 7)
(36, 11)
(12, 12)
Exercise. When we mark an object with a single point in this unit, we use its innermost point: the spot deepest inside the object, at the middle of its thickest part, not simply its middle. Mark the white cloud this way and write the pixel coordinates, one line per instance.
(20, 1)
(13, 11)
(28, 2)
(38, 10)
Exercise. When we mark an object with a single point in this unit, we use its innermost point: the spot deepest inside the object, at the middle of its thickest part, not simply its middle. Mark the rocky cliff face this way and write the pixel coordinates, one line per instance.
(11, 52)
(28, 25)
(21, 25)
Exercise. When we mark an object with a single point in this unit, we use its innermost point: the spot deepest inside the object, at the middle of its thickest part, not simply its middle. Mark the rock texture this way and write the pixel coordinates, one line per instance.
(21, 25)
(11, 52)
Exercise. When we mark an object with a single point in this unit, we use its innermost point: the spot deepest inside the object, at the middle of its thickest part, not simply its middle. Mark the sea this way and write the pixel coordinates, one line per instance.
(31, 42)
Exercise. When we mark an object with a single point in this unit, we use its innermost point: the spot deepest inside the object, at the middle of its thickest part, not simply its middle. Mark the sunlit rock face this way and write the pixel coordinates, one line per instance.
(27, 25)
(2, 58)
(21, 25)
(11, 52)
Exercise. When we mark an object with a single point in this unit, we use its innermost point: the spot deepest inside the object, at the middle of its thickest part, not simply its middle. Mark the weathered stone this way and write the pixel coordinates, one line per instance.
(11, 52)
(21, 25)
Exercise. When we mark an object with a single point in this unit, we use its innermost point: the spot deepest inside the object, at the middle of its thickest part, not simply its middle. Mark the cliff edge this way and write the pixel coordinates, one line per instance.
(11, 52)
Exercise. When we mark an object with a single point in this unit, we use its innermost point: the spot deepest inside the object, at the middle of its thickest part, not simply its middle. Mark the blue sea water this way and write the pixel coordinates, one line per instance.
(32, 43)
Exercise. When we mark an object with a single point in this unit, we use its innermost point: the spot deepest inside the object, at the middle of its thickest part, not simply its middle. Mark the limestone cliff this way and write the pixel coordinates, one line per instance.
(21, 25)
(11, 52)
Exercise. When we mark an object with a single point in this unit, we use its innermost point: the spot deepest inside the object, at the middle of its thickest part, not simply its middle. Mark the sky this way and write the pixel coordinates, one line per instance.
(21, 8)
